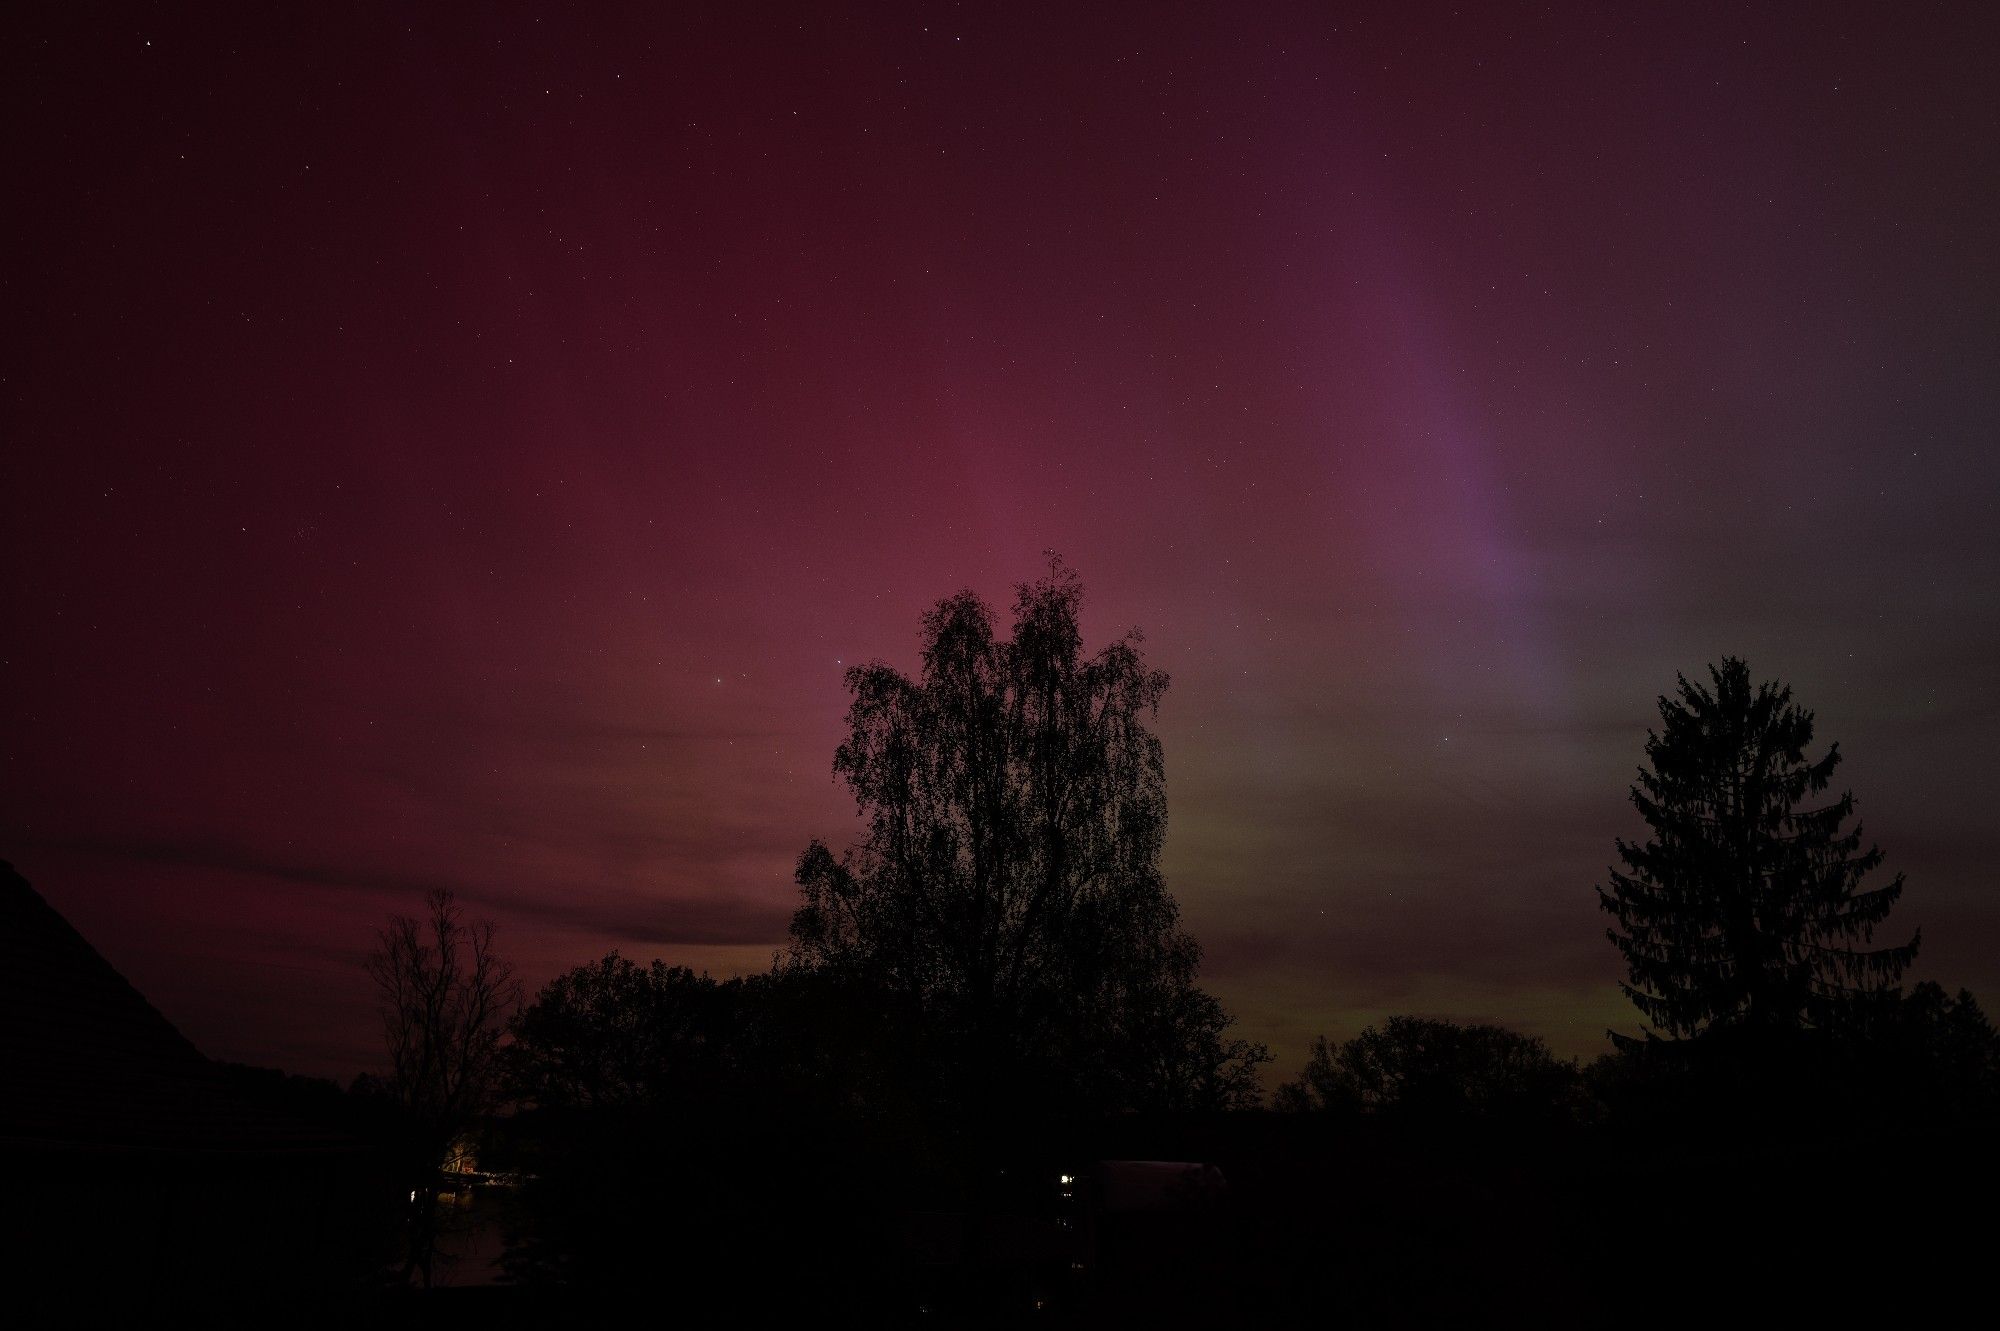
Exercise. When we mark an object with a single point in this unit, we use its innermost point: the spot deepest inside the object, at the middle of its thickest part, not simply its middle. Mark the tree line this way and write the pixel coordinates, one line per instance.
(1000, 952)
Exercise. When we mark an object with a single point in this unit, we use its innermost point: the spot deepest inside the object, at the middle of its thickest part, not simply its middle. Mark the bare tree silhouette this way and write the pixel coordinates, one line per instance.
(444, 996)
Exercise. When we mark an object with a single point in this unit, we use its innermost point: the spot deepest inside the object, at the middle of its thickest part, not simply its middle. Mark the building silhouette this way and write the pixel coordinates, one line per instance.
(133, 1168)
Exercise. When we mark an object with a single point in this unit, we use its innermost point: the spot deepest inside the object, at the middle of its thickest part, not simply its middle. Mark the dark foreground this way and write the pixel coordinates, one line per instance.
(1298, 1220)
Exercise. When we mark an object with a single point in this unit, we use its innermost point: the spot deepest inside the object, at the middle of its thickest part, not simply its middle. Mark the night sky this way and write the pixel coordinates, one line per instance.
(465, 451)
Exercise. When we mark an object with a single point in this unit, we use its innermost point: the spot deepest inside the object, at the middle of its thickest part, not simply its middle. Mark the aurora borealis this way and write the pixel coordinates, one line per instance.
(464, 450)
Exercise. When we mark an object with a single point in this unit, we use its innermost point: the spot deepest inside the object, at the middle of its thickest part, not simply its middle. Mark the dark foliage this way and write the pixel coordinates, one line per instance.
(677, 1127)
(613, 1034)
(1938, 1053)
(1420, 1068)
(1746, 906)
(1007, 902)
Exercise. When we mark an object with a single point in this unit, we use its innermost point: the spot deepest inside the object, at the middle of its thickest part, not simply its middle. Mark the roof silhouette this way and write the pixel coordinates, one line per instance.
(87, 1063)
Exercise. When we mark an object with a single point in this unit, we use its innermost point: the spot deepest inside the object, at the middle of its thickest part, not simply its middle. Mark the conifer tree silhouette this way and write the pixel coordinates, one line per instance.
(1747, 905)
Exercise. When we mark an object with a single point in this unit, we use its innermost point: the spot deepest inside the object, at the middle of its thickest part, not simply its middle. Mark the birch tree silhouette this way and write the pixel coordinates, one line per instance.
(1007, 900)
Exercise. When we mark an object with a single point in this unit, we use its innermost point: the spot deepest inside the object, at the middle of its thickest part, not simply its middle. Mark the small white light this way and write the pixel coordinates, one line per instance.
(1065, 1180)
